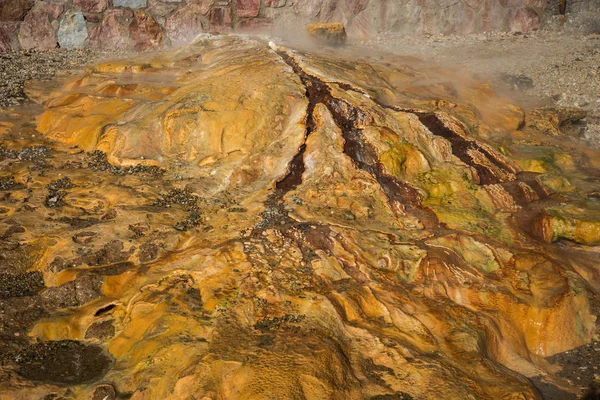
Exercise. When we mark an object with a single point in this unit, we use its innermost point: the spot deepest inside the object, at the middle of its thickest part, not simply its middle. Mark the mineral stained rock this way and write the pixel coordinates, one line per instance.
(244, 221)
(329, 33)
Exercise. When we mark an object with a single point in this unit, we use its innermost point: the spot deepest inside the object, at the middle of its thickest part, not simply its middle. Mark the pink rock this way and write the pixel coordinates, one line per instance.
(145, 32)
(220, 19)
(160, 9)
(247, 8)
(185, 24)
(14, 10)
(91, 6)
(204, 5)
(53, 9)
(255, 25)
(113, 31)
(36, 31)
(525, 20)
(491, 16)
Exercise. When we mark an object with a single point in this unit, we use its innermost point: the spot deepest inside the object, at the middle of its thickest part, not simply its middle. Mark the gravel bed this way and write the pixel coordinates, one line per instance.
(18, 67)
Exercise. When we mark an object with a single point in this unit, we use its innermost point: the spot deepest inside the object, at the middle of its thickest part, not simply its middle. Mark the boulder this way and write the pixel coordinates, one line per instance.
(91, 6)
(130, 3)
(247, 8)
(72, 32)
(36, 30)
(113, 31)
(220, 19)
(204, 5)
(14, 10)
(334, 34)
(159, 9)
(54, 10)
(185, 24)
(525, 20)
(145, 32)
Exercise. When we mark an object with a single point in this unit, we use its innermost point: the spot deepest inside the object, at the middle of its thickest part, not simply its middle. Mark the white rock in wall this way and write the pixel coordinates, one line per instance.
(72, 31)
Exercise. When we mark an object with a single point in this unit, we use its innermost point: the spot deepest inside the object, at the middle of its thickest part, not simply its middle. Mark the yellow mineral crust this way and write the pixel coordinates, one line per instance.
(331, 33)
(230, 221)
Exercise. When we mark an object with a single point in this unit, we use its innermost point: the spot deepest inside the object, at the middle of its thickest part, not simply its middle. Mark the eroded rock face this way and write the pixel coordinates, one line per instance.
(260, 221)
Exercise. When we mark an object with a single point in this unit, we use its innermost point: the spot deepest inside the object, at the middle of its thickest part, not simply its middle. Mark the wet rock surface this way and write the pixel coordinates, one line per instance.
(239, 219)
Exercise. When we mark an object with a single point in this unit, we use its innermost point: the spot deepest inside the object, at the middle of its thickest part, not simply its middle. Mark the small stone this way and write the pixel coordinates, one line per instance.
(104, 392)
(72, 32)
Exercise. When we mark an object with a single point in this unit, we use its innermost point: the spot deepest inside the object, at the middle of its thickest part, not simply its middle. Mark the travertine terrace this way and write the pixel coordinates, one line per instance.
(241, 220)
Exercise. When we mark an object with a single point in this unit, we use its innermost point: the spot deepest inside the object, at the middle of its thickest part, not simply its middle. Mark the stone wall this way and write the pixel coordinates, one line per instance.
(149, 24)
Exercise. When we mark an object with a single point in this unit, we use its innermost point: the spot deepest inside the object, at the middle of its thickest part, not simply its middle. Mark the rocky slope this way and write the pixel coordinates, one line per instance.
(237, 219)
(150, 24)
